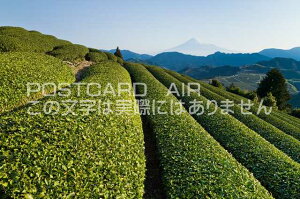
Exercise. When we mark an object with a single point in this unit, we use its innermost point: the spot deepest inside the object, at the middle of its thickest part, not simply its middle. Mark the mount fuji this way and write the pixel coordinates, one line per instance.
(194, 47)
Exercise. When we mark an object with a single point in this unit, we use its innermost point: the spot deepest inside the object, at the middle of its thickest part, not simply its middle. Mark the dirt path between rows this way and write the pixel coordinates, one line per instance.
(79, 68)
(153, 181)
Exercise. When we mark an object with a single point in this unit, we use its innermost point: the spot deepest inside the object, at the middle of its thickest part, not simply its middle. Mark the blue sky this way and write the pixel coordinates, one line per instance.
(151, 26)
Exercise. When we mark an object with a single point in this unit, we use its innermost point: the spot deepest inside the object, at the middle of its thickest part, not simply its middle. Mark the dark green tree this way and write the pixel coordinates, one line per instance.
(274, 83)
(118, 53)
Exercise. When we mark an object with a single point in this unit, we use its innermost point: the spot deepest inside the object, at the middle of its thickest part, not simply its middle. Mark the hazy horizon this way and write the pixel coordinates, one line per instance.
(151, 27)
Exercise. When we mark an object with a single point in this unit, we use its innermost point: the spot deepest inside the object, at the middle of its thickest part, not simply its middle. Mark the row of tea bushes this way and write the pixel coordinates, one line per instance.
(96, 57)
(77, 155)
(18, 39)
(193, 164)
(288, 128)
(282, 141)
(288, 118)
(18, 69)
(70, 52)
(274, 169)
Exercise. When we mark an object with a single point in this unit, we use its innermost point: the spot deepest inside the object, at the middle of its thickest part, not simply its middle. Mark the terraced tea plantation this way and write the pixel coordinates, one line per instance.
(127, 130)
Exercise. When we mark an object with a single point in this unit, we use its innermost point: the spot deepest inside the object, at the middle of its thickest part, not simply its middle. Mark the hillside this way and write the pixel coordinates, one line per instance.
(207, 72)
(120, 130)
(247, 77)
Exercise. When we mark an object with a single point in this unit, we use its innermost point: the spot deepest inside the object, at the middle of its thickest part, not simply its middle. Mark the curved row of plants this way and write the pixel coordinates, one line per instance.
(273, 168)
(288, 128)
(18, 39)
(70, 52)
(77, 53)
(96, 56)
(282, 141)
(76, 155)
(193, 164)
(18, 69)
(288, 118)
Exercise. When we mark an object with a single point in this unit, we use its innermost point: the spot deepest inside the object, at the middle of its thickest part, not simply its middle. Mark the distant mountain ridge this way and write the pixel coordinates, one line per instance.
(127, 54)
(293, 53)
(282, 63)
(178, 61)
(193, 47)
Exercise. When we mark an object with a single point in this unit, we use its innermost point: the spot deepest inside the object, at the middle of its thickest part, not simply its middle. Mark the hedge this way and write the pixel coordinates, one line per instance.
(96, 57)
(12, 31)
(18, 69)
(111, 56)
(273, 168)
(288, 118)
(70, 52)
(13, 44)
(18, 39)
(288, 128)
(93, 50)
(282, 141)
(193, 164)
(74, 156)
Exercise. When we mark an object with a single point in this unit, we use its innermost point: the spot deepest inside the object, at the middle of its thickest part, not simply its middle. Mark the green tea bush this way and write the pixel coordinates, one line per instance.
(96, 56)
(13, 44)
(273, 168)
(17, 69)
(75, 155)
(111, 56)
(282, 141)
(292, 119)
(93, 50)
(278, 119)
(12, 31)
(71, 52)
(18, 39)
(193, 164)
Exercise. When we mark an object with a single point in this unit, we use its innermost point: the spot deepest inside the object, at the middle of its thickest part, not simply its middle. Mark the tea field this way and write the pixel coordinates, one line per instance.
(52, 146)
